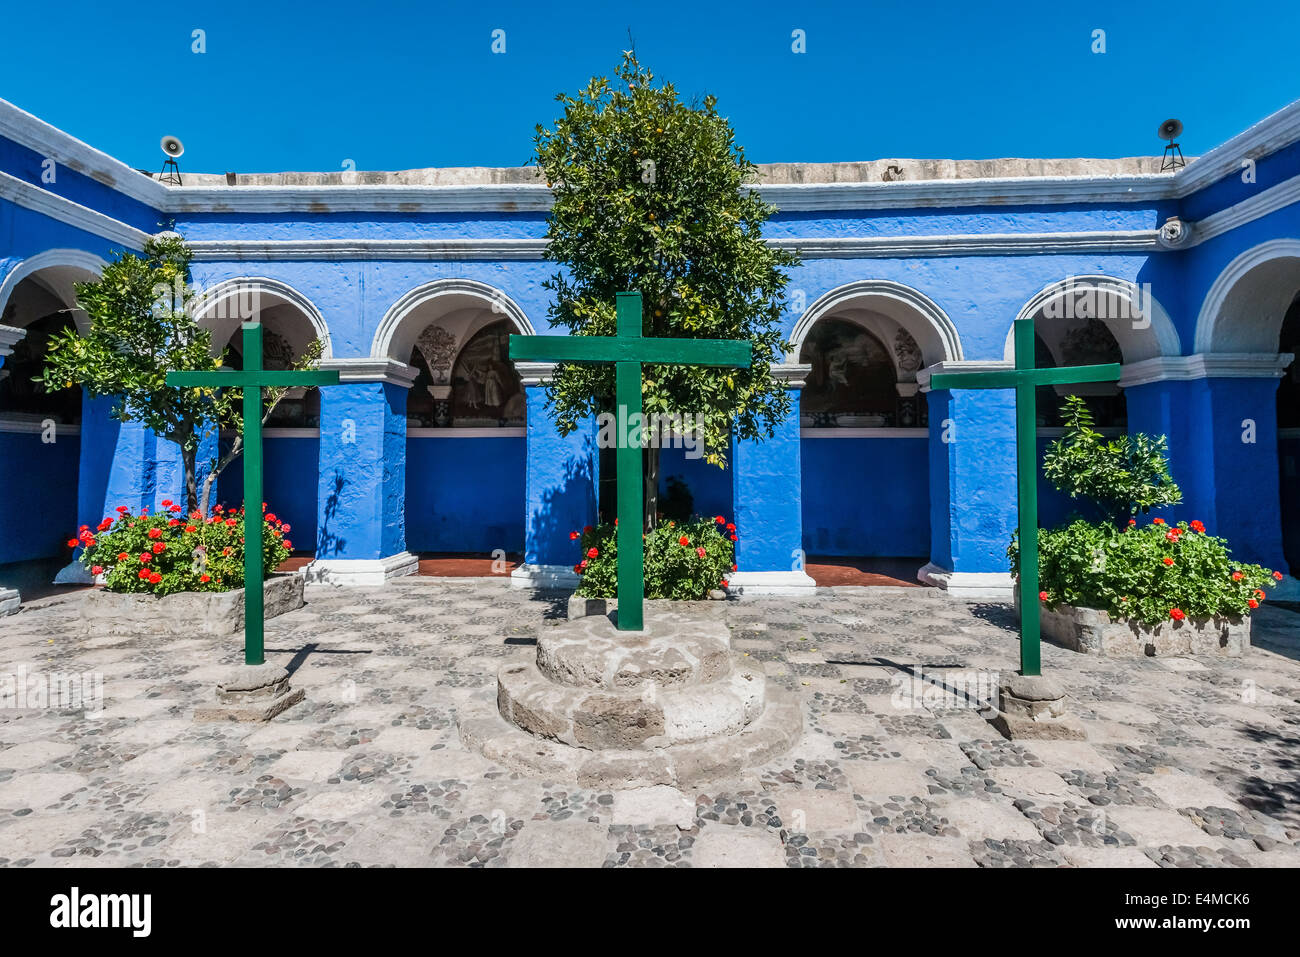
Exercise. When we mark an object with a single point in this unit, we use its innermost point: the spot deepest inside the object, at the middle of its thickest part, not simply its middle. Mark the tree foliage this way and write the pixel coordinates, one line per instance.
(1121, 476)
(653, 194)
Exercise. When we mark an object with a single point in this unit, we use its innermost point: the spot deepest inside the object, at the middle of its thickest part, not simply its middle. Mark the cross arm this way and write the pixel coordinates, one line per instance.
(232, 379)
(1010, 378)
(696, 352)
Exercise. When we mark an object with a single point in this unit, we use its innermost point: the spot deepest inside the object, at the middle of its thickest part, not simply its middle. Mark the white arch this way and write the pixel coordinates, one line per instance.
(1149, 338)
(394, 341)
(229, 299)
(945, 344)
(1237, 321)
(59, 265)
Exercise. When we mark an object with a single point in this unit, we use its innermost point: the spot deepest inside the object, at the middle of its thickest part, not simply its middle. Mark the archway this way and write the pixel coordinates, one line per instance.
(465, 425)
(864, 427)
(47, 496)
(291, 323)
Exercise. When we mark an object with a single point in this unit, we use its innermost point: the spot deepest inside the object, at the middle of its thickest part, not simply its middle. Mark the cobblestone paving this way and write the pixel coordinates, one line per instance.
(1188, 762)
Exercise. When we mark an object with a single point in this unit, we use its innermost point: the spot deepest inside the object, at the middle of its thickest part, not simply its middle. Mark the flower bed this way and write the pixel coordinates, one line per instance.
(683, 560)
(185, 614)
(1152, 589)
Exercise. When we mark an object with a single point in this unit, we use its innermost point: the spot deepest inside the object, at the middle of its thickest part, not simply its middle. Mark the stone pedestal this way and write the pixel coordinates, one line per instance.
(1034, 707)
(252, 693)
(9, 601)
(671, 704)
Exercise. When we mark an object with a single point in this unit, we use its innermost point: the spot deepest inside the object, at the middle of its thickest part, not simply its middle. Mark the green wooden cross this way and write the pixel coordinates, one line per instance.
(252, 381)
(1024, 378)
(628, 350)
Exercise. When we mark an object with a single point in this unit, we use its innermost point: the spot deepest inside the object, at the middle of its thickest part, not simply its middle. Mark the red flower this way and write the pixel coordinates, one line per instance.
(146, 557)
(154, 578)
(1277, 576)
(573, 536)
(72, 543)
(1252, 603)
(1167, 560)
(270, 516)
(1236, 576)
(719, 519)
(733, 567)
(122, 556)
(724, 583)
(731, 526)
(174, 508)
(155, 533)
(143, 575)
(1259, 593)
(1132, 521)
(734, 539)
(683, 541)
(1171, 536)
(159, 547)
(97, 569)
(288, 544)
(121, 510)
(592, 553)
(582, 564)
(1042, 596)
(205, 578)
(191, 529)
(284, 527)
(1196, 525)
(1177, 614)
(231, 522)
(106, 524)
(225, 551)
(700, 552)
(167, 503)
(173, 522)
(1157, 521)
(577, 569)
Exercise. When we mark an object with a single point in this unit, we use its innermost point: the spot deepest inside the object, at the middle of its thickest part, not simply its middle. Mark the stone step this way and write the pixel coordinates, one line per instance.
(777, 729)
(641, 718)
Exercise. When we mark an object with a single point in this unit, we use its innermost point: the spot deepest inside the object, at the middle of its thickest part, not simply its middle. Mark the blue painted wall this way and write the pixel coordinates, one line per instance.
(710, 486)
(289, 484)
(866, 496)
(465, 494)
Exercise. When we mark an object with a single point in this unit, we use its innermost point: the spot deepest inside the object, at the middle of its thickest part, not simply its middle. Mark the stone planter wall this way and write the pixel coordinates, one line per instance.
(1094, 632)
(186, 614)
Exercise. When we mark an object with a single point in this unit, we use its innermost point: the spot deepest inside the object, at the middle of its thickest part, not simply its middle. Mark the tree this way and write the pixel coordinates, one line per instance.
(1121, 476)
(142, 327)
(652, 194)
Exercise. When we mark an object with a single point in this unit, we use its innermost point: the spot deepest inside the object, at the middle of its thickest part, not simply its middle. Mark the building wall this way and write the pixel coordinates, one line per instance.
(465, 494)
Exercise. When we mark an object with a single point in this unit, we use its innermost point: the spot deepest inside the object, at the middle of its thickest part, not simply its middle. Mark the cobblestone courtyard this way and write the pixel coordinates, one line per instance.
(1188, 762)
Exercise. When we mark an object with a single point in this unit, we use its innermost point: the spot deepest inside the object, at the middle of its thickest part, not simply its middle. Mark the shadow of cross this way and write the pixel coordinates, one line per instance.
(629, 350)
(252, 381)
(1024, 378)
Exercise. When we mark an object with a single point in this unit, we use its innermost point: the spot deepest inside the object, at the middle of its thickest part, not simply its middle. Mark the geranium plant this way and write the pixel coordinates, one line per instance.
(1147, 573)
(169, 551)
(683, 560)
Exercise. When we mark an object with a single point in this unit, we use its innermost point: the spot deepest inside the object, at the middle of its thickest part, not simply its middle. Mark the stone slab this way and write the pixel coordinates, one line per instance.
(185, 614)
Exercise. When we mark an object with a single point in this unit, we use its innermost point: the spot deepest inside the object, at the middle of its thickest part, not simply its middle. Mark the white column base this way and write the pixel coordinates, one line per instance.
(9, 601)
(770, 583)
(981, 586)
(544, 577)
(361, 572)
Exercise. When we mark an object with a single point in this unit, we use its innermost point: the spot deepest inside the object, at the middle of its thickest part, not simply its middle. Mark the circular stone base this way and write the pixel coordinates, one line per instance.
(775, 731)
(670, 651)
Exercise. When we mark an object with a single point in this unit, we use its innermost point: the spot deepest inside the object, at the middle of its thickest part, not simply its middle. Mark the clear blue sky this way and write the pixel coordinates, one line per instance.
(394, 85)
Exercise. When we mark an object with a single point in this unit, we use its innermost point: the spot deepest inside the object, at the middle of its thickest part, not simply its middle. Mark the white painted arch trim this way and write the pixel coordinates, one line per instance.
(417, 297)
(53, 259)
(1162, 327)
(1212, 308)
(843, 296)
(236, 286)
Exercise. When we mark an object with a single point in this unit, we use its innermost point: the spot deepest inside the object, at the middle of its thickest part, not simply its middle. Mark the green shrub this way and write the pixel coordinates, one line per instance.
(1122, 476)
(683, 560)
(1147, 573)
(164, 553)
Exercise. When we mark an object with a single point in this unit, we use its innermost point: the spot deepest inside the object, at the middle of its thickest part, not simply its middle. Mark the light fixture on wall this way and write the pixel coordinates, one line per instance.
(172, 147)
(1173, 159)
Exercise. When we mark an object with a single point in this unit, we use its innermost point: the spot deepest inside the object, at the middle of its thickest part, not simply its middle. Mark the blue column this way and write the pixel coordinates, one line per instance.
(972, 486)
(362, 490)
(767, 490)
(559, 491)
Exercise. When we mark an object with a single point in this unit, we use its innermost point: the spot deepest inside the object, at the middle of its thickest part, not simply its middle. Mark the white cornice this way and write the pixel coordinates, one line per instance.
(1274, 132)
(1261, 204)
(500, 198)
(1224, 365)
(367, 369)
(1001, 191)
(792, 375)
(66, 211)
(66, 150)
(487, 432)
(334, 250)
(813, 432)
(9, 336)
(534, 373)
(971, 244)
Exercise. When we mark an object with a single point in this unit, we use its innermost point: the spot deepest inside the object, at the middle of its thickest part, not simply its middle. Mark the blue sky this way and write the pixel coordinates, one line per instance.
(394, 85)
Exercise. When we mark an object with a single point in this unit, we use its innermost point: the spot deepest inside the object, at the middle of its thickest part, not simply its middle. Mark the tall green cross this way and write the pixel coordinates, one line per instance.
(629, 350)
(1024, 378)
(252, 381)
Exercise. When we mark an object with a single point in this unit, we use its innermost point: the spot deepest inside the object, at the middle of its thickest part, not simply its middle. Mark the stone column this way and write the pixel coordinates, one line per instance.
(9, 597)
(972, 485)
(559, 488)
(767, 490)
(361, 528)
